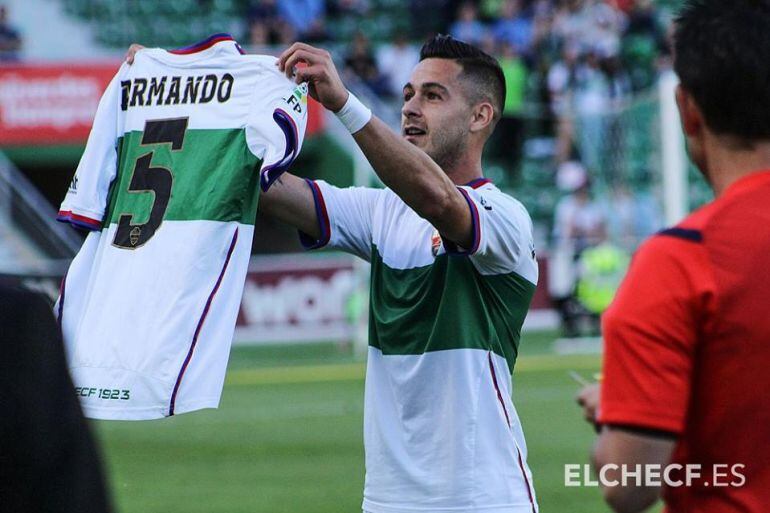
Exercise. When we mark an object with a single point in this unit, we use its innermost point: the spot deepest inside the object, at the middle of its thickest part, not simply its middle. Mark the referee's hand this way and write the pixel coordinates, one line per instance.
(588, 399)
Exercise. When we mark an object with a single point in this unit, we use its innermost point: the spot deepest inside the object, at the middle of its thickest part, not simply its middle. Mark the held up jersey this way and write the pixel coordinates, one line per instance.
(181, 145)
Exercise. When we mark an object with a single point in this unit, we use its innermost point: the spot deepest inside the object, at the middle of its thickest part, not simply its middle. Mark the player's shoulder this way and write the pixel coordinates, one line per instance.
(678, 247)
(678, 242)
(492, 199)
(693, 225)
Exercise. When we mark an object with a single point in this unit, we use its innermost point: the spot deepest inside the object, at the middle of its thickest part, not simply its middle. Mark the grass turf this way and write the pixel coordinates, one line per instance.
(288, 437)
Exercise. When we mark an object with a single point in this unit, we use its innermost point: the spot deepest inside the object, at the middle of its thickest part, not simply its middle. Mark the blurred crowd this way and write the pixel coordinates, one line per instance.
(10, 38)
(568, 63)
(591, 46)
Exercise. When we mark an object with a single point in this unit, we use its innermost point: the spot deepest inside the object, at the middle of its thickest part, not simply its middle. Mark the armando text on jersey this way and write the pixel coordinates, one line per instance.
(175, 90)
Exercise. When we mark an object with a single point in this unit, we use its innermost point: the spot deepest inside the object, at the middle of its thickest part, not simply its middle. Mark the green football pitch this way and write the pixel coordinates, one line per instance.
(288, 437)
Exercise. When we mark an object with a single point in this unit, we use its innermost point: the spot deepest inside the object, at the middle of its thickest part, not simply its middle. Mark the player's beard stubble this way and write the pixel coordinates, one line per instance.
(446, 145)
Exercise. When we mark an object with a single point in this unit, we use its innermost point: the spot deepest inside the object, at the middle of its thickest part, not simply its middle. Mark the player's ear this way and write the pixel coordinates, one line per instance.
(483, 115)
(689, 112)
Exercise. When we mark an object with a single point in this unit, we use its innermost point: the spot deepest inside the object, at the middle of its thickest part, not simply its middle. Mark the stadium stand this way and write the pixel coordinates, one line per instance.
(582, 74)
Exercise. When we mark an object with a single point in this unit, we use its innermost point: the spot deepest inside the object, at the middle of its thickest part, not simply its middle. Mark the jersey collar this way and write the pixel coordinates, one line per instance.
(747, 182)
(478, 182)
(206, 44)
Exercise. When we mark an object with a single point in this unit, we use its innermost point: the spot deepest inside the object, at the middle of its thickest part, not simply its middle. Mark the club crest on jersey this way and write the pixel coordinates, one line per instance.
(133, 236)
(435, 243)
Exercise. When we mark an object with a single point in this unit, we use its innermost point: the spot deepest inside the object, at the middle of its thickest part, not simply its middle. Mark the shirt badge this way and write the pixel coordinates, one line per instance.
(435, 243)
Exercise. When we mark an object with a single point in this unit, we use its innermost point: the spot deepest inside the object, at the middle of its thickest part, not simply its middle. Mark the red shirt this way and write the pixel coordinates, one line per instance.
(687, 348)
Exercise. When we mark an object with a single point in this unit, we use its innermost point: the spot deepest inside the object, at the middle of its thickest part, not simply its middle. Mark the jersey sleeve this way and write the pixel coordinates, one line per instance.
(277, 125)
(345, 218)
(86, 198)
(502, 234)
(650, 333)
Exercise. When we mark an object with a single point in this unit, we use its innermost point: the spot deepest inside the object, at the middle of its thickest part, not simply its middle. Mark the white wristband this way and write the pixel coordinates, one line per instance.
(354, 114)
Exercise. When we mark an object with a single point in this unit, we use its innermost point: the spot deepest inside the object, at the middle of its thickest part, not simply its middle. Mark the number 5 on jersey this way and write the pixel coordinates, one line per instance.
(148, 179)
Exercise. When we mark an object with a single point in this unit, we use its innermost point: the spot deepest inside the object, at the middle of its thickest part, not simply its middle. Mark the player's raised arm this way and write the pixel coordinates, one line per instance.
(290, 200)
(402, 164)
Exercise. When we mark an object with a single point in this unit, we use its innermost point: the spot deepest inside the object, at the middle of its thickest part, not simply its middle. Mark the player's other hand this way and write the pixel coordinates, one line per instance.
(132, 52)
(316, 67)
(588, 399)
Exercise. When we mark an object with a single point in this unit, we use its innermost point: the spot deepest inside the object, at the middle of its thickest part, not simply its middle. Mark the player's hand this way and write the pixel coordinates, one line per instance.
(132, 52)
(324, 83)
(588, 399)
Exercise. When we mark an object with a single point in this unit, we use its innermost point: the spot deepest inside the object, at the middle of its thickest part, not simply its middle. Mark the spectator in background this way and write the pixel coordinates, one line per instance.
(467, 27)
(513, 27)
(618, 95)
(542, 21)
(396, 61)
(571, 23)
(561, 80)
(10, 40)
(360, 62)
(606, 25)
(591, 106)
(645, 45)
(266, 26)
(593, 26)
(633, 215)
(579, 223)
(509, 133)
(304, 16)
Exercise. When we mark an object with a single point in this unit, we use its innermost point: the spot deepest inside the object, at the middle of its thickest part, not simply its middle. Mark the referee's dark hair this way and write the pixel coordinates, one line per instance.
(721, 54)
(481, 70)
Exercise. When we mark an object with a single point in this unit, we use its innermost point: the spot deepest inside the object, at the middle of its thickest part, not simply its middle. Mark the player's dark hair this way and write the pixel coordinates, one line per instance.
(721, 56)
(482, 70)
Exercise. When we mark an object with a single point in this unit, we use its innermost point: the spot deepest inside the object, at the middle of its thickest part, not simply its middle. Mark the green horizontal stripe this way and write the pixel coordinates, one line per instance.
(215, 178)
(446, 305)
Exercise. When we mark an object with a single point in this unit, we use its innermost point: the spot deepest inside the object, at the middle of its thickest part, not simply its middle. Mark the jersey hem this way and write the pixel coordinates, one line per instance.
(147, 413)
(375, 507)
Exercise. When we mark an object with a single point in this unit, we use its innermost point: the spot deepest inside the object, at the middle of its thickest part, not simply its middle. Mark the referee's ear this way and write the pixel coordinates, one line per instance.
(690, 113)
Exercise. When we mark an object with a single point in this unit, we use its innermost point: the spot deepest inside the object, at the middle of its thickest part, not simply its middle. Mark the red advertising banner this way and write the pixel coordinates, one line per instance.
(43, 105)
(46, 105)
(298, 298)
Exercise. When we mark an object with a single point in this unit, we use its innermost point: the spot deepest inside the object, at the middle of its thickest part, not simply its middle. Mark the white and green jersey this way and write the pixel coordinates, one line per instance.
(181, 145)
(440, 429)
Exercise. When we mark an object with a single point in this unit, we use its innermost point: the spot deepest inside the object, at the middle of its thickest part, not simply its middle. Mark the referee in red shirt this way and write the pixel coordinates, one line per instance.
(686, 379)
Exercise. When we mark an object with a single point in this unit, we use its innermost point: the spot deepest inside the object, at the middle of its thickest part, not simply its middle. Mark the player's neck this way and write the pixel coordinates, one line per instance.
(464, 170)
(727, 165)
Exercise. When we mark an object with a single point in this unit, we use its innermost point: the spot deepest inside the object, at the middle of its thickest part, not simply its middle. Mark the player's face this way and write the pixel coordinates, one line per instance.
(436, 114)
